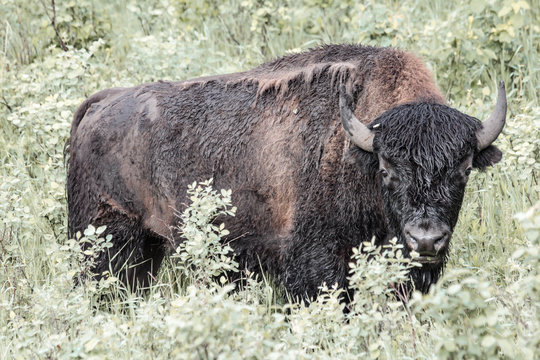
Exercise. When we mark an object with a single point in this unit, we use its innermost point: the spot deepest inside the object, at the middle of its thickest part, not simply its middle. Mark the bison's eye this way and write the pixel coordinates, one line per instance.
(387, 173)
(468, 171)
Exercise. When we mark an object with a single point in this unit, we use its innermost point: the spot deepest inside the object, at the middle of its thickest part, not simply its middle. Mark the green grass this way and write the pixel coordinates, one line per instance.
(487, 305)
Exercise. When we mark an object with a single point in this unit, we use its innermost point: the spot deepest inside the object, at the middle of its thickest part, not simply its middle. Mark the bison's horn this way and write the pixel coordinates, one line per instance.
(492, 127)
(359, 133)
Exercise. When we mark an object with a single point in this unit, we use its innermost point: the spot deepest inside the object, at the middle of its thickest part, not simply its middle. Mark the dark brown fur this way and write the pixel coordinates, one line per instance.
(271, 134)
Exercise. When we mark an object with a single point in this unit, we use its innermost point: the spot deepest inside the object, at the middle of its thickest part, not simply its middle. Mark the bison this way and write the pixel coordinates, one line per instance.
(323, 150)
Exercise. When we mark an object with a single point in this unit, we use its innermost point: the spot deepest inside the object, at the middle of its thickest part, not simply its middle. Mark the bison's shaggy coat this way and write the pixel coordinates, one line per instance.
(305, 195)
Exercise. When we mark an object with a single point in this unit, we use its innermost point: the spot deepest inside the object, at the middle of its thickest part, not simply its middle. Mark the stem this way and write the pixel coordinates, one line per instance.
(4, 102)
(53, 23)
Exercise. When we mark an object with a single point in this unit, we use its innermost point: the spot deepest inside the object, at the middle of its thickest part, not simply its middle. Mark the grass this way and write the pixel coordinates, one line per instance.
(485, 307)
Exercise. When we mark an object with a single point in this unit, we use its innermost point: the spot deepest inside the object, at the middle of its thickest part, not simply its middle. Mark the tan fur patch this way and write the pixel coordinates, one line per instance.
(277, 171)
(397, 78)
(278, 81)
(333, 151)
(148, 104)
(416, 83)
(107, 207)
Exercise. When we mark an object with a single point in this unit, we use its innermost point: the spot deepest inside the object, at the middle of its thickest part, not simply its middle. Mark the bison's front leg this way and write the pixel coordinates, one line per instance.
(258, 253)
(310, 264)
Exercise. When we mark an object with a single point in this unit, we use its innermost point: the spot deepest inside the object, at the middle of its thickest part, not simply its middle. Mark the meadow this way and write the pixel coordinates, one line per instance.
(55, 55)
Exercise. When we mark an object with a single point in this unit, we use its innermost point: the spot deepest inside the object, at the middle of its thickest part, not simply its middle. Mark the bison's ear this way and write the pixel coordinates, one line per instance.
(367, 162)
(487, 157)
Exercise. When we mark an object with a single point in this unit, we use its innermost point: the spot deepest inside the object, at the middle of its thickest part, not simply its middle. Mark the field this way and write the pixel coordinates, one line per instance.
(53, 56)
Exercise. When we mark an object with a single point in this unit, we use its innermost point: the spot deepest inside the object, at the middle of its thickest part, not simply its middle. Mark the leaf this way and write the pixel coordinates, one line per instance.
(516, 20)
(507, 347)
(490, 54)
(100, 229)
(478, 6)
(91, 344)
(90, 230)
(454, 289)
(449, 345)
(520, 5)
(504, 11)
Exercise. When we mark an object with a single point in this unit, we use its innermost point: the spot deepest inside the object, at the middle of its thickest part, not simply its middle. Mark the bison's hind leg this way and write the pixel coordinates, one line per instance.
(146, 267)
(136, 253)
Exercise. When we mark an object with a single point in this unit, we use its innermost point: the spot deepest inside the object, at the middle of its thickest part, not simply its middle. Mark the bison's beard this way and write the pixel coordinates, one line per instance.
(423, 277)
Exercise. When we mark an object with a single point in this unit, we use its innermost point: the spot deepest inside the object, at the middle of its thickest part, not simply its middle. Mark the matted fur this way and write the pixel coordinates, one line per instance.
(395, 72)
(305, 195)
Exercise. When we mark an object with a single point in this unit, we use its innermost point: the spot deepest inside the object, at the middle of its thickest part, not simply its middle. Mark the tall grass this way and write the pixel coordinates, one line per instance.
(486, 305)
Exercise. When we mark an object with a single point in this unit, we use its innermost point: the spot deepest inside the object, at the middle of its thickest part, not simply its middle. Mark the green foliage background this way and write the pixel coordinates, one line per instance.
(486, 306)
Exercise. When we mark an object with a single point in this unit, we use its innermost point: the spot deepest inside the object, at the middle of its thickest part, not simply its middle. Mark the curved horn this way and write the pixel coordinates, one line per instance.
(359, 133)
(492, 127)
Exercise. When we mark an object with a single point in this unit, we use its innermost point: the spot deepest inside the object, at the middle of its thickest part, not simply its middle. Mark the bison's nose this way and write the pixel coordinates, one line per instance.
(426, 240)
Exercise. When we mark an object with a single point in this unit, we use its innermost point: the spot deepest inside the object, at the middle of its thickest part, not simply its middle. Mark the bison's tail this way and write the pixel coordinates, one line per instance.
(81, 111)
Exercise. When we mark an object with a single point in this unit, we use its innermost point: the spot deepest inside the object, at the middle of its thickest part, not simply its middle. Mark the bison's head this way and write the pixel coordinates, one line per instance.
(423, 154)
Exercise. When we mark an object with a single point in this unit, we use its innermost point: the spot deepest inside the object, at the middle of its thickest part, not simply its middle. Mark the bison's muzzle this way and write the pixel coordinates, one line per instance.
(430, 241)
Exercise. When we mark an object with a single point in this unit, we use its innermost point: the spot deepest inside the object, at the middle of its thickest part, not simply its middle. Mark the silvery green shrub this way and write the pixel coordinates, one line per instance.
(201, 255)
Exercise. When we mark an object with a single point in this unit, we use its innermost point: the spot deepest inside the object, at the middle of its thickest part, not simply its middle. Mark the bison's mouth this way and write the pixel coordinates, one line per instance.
(428, 259)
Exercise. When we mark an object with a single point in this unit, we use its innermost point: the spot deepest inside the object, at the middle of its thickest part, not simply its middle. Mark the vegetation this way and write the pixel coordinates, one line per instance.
(487, 304)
